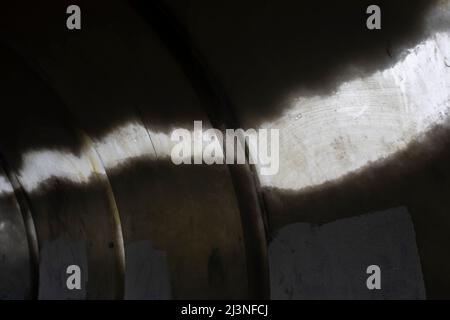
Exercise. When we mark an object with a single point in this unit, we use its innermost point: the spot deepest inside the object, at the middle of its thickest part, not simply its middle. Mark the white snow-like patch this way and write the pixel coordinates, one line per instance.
(325, 137)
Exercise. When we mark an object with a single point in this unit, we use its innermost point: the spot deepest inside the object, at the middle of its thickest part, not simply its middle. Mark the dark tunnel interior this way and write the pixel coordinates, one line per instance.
(86, 176)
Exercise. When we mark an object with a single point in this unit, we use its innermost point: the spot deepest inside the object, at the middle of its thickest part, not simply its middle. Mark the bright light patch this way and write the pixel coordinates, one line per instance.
(5, 186)
(40, 166)
(325, 137)
(124, 143)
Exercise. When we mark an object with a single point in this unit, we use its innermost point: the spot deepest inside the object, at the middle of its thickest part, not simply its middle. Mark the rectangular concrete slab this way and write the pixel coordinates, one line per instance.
(331, 261)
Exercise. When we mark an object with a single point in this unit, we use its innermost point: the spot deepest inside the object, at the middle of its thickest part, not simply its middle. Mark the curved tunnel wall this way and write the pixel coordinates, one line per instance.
(191, 236)
(85, 134)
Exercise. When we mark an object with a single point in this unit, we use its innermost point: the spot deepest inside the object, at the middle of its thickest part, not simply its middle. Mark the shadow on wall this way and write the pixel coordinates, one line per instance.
(267, 52)
(262, 52)
(115, 71)
(195, 224)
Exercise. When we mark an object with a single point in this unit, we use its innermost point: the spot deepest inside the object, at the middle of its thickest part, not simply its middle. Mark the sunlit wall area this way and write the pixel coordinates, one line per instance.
(367, 119)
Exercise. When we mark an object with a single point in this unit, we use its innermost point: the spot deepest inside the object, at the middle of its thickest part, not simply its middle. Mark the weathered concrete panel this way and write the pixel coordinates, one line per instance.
(330, 261)
(147, 275)
(56, 256)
